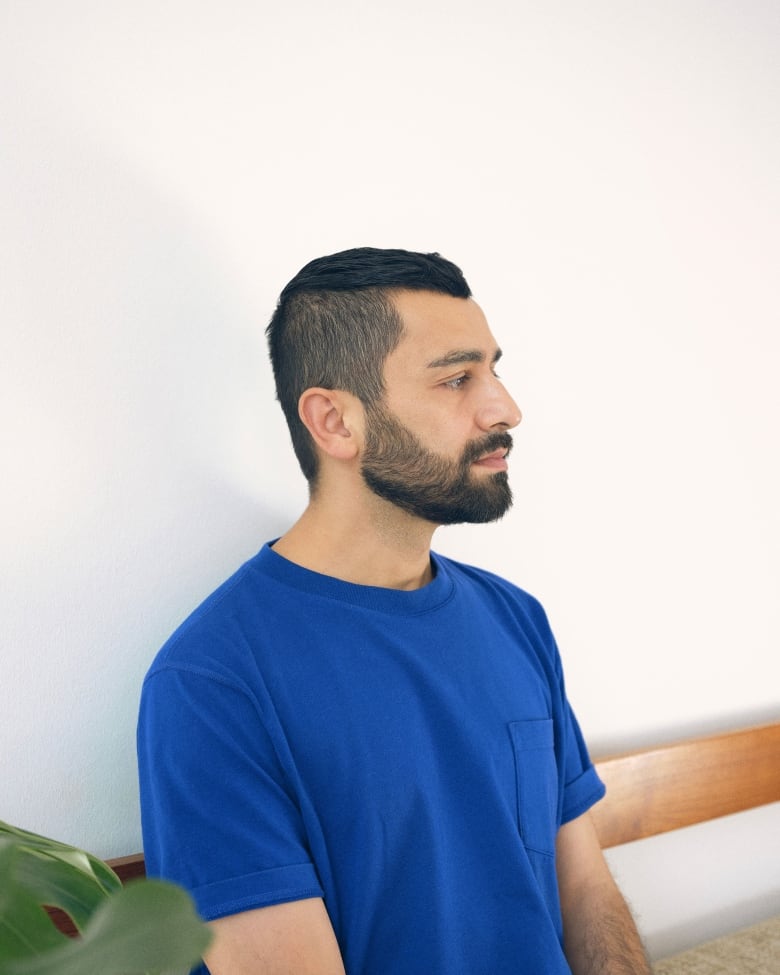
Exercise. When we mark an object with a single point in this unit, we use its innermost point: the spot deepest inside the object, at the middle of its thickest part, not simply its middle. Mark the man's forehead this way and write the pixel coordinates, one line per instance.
(440, 330)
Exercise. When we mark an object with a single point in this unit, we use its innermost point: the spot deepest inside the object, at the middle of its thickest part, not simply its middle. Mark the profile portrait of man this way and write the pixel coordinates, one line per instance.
(357, 754)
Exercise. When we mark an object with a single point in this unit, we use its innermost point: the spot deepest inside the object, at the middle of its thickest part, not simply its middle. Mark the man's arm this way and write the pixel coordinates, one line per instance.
(295, 938)
(600, 936)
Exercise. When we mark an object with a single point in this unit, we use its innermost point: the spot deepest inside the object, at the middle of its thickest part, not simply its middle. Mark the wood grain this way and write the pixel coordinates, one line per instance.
(660, 789)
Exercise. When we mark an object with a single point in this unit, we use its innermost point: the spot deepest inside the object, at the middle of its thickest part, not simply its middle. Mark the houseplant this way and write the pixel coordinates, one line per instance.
(148, 927)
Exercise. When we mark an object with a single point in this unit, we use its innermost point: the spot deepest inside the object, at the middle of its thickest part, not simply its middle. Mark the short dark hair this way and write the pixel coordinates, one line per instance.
(335, 324)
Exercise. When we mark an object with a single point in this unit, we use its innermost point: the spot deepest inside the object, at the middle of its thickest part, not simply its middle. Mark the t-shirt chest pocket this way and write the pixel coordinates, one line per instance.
(537, 783)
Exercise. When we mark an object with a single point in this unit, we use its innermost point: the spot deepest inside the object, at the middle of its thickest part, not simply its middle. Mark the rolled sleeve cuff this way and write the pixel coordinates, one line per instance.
(581, 794)
(252, 890)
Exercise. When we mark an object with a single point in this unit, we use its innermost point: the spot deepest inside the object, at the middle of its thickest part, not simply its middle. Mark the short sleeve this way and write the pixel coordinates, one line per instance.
(582, 786)
(579, 784)
(219, 813)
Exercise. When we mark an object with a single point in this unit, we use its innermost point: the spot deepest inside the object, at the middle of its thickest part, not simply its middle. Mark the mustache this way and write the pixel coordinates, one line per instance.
(493, 441)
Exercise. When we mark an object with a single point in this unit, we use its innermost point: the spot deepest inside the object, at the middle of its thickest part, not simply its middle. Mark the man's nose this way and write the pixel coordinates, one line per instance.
(498, 409)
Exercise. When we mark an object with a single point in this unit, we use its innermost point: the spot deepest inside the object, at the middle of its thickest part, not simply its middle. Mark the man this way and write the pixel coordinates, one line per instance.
(357, 755)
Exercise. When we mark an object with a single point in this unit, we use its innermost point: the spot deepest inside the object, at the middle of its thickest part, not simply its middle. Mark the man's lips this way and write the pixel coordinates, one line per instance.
(494, 461)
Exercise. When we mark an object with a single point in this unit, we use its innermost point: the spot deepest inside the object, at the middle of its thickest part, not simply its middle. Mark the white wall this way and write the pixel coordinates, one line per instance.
(605, 173)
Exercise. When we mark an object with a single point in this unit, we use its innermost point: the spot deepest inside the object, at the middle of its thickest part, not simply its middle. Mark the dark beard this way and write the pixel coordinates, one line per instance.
(398, 468)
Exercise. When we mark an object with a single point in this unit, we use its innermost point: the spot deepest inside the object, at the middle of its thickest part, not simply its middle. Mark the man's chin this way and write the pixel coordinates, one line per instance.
(474, 499)
(477, 511)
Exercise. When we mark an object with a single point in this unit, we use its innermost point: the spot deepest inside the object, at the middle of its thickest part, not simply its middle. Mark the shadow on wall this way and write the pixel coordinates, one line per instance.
(135, 383)
(713, 925)
(740, 718)
(138, 375)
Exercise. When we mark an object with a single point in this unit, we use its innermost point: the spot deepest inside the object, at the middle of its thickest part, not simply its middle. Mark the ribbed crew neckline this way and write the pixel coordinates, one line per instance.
(399, 602)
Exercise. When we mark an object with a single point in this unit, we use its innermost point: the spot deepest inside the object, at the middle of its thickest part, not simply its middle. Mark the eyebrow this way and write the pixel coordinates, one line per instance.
(458, 356)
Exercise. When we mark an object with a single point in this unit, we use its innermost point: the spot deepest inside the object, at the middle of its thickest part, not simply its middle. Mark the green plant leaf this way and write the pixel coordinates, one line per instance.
(58, 884)
(25, 927)
(90, 867)
(148, 927)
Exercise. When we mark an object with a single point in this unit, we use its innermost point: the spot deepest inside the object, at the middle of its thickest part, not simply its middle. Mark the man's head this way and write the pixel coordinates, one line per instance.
(335, 324)
(391, 341)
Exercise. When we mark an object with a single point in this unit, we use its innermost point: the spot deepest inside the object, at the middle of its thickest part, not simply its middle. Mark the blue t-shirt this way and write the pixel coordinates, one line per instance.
(406, 755)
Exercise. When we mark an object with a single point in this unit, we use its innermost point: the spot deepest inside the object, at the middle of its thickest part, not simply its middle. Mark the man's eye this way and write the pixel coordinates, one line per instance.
(457, 382)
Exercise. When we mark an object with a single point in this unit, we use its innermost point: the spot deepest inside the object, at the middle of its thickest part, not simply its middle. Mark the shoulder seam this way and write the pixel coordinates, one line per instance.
(198, 672)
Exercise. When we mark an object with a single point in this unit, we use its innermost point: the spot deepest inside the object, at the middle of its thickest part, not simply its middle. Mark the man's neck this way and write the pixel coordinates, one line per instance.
(370, 544)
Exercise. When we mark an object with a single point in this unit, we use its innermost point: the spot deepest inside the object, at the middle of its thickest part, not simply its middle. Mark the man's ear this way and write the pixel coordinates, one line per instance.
(333, 418)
